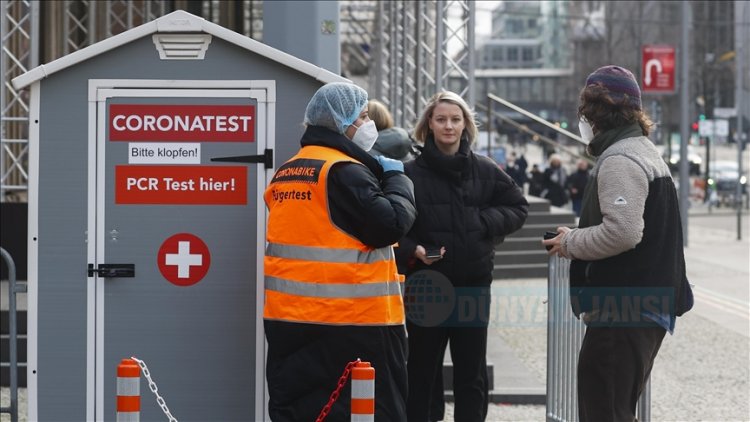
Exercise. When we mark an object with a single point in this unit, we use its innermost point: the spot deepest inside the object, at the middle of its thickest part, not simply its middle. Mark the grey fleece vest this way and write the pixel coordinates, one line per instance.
(657, 261)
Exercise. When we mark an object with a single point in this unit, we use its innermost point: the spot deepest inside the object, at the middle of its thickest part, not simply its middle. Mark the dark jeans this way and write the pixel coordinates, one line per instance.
(613, 367)
(468, 347)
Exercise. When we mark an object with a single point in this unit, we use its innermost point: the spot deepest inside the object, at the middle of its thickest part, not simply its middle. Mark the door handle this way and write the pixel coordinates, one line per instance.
(266, 158)
(112, 270)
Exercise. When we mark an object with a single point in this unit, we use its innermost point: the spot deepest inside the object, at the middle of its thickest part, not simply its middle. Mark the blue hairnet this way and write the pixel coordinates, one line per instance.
(335, 106)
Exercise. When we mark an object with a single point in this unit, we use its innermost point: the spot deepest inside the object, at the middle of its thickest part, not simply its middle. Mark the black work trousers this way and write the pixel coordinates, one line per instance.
(468, 347)
(305, 362)
(613, 366)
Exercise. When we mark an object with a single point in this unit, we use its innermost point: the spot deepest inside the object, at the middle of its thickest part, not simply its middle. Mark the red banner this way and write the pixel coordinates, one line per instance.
(197, 123)
(185, 185)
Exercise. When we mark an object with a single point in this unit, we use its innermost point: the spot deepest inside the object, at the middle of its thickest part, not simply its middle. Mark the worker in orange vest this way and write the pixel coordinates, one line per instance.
(332, 291)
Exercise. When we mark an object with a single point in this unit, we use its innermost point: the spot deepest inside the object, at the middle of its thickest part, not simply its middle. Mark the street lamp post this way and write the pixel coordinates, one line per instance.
(685, 119)
(741, 10)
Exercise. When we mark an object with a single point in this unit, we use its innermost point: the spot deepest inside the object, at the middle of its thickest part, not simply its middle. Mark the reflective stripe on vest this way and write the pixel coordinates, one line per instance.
(320, 254)
(332, 290)
(314, 271)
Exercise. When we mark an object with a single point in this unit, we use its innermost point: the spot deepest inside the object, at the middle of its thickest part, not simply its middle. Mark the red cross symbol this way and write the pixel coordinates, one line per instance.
(184, 259)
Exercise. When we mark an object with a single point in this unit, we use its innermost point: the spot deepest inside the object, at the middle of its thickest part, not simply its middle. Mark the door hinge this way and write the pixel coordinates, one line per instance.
(112, 270)
(266, 158)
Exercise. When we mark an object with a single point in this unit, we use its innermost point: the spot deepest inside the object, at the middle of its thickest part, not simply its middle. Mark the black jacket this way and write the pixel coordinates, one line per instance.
(375, 207)
(554, 189)
(465, 203)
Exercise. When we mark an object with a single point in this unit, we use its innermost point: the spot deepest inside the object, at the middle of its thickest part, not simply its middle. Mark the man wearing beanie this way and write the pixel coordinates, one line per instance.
(627, 275)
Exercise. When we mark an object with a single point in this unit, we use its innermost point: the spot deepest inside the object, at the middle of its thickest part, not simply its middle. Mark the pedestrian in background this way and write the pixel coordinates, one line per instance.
(536, 181)
(628, 246)
(577, 183)
(393, 142)
(466, 204)
(516, 169)
(332, 293)
(555, 178)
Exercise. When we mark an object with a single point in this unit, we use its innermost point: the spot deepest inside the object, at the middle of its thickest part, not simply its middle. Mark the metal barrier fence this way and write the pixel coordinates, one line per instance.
(564, 337)
(13, 335)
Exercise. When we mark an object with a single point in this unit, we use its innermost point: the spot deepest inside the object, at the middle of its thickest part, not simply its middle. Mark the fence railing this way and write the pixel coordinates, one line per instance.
(564, 337)
(13, 288)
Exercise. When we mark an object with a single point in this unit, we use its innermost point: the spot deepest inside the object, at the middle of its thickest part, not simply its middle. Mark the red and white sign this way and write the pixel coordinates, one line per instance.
(657, 68)
(184, 259)
(186, 185)
(168, 123)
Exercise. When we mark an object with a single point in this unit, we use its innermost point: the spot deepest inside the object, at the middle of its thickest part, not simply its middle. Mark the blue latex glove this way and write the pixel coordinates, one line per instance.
(390, 164)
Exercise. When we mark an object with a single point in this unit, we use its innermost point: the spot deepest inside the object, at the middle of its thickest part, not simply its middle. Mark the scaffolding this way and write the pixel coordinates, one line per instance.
(411, 50)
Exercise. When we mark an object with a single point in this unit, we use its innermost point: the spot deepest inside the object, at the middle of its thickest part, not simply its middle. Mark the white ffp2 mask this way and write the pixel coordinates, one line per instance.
(587, 133)
(366, 135)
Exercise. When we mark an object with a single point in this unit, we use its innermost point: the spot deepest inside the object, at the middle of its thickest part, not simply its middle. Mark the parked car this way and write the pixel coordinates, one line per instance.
(673, 158)
(722, 182)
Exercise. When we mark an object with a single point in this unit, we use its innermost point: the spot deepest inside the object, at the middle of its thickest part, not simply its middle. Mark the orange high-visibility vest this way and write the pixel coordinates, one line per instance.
(314, 271)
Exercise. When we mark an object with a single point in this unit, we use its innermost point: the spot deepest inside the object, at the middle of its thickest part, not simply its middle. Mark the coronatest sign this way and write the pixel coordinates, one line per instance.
(160, 122)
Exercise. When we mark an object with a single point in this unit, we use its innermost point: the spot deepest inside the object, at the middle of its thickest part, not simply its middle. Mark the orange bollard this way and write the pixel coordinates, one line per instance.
(363, 392)
(128, 391)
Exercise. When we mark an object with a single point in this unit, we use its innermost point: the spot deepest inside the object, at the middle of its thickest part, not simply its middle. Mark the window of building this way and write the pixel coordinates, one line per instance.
(524, 90)
(514, 26)
(513, 89)
(497, 54)
(512, 54)
(527, 54)
(536, 89)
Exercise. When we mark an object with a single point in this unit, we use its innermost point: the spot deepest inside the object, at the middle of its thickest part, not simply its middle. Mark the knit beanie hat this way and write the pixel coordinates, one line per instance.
(620, 83)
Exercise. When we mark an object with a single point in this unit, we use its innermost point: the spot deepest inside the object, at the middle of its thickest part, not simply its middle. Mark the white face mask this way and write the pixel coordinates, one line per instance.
(587, 134)
(366, 135)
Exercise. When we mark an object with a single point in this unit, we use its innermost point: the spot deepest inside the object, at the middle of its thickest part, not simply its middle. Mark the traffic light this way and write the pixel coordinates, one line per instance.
(702, 117)
(564, 124)
(695, 126)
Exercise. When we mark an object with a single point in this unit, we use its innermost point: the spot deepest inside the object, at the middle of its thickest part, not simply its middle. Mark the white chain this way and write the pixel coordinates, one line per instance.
(154, 389)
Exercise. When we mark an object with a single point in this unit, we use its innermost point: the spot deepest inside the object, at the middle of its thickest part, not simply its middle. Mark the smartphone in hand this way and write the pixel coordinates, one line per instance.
(433, 253)
(549, 235)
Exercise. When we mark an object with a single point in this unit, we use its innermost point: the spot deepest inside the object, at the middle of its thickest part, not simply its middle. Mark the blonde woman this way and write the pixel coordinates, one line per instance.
(465, 205)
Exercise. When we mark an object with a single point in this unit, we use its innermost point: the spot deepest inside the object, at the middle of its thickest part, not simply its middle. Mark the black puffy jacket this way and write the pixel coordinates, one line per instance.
(465, 203)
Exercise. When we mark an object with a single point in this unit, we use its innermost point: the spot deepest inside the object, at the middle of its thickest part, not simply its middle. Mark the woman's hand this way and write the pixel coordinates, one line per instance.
(421, 254)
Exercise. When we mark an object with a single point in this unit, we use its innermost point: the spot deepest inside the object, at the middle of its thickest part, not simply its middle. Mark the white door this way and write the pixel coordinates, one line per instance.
(178, 248)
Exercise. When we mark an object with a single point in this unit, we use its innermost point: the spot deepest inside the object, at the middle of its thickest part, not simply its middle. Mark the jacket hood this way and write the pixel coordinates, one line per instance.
(393, 143)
